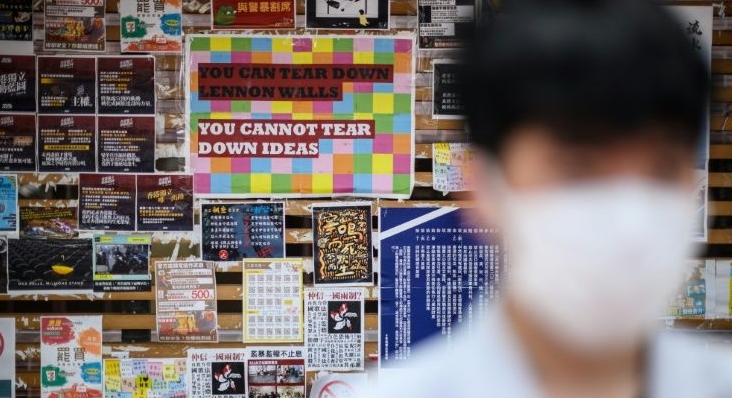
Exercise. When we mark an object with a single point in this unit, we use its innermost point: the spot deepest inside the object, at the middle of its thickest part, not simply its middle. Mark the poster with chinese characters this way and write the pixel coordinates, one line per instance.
(217, 373)
(66, 143)
(71, 356)
(165, 202)
(74, 25)
(48, 205)
(8, 203)
(16, 27)
(276, 372)
(7, 357)
(273, 300)
(17, 82)
(690, 299)
(145, 377)
(186, 301)
(17, 142)
(293, 116)
(151, 26)
(235, 231)
(342, 249)
(126, 144)
(340, 385)
(3, 264)
(42, 266)
(121, 263)
(438, 271)
(334, 328)
(347, 14)
(445, 23)
(253, 14)
(451, 169)
(126, 85)
(447, 102)
(107, 202)
(697, 22)
(66, 85)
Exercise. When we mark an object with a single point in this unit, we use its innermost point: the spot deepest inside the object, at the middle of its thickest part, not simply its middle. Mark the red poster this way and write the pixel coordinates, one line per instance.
(253, 14)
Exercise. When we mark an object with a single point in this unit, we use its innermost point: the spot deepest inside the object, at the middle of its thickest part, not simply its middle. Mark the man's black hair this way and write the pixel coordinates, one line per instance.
(592, 71)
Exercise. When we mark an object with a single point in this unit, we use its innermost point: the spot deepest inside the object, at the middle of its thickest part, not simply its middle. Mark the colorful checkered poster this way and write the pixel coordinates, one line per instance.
(301, 115)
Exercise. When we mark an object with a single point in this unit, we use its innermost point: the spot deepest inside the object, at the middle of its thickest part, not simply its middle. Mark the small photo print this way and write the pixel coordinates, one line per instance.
(262, 392)
(344, 317)
(228, 378)
(291, 392)
(262, 374)
(291, 374)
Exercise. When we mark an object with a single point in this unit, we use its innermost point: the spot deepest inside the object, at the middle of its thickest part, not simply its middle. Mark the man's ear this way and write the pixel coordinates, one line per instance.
(485, 195)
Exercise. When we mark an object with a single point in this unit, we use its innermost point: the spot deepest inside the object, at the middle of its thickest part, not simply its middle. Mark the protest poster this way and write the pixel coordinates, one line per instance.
(690, 299)
(447, 102)
(107, 202)
(74, 25)
(145, 377)
(253, 14)
(438, 271)
(445, 23)
(126, 85)
(186, 301)
(41, 266)
(17, 142)
(301, 115)
(8, 203)
(16, 27)
(66, 143)
(347, 14)
(276, 371)
(71, 356)
(151, 26)
(66, 84)
(451, 168)
(126, 144)
(334, 334)
(122, 263)
(697, 22)
(7, 357)
(342, 249)
(3, 264)
(340, 385)
(217, 373)
(17, 82)
(235, 231)
(164, 202)
(273, 300)
(47, 204)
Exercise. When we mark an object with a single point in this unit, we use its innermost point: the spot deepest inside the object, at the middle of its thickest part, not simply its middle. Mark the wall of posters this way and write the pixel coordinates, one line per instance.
(342, 249)
(107, 202)
(8, 203)
(126, 144)
(18, 142)
(126, 85)
(71, 356)
(151, 26)
(334, 329)
(164, 203)
(253, 14)
(347, 14)
(446, 97)
(316, 116)
(7, 357)
(276, 372)
(186, 301)
(122, 263)
(272, 300)
(74, 25)
(451, 169)
(17, 82)
(234, 231)
(145, 377)
(39, 266)
(418, 247)
(217, 372)
(445, 23)
(16, 27)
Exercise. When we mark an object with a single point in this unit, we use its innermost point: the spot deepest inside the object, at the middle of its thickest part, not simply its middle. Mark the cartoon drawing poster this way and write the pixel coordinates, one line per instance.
(71, 356)
(7, 357)
(253, 14)
(145, 377)
(217, 373)
(75, 25)
(342, 243)
(276, 372)
(334, 338)
(151, 26)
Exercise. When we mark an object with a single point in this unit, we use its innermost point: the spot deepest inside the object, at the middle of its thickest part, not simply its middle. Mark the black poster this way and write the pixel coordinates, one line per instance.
(126, 144)
(48, 205)
(126, 85)
(18, 83)
(445, 23)
(50, 265)
(17, 142)
(66, 143)
(447, 103)
(66, 85)
(107, 202)
(16, 20)
(165, 203)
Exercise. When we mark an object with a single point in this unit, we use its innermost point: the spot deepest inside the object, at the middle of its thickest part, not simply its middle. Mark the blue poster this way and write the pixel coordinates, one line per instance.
(8, 203)
(437, 272)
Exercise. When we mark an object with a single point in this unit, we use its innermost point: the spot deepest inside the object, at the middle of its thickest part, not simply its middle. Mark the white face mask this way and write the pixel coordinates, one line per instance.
(594, 263)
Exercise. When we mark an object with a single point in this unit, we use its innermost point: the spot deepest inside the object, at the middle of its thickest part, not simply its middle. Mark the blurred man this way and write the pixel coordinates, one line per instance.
(586, 117)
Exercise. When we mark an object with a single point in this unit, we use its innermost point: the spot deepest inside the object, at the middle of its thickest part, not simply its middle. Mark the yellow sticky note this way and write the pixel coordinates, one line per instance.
(111, 368)
(139, 394)
(112, 383)
(143, 382)
(441, 153)
(169, 373)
